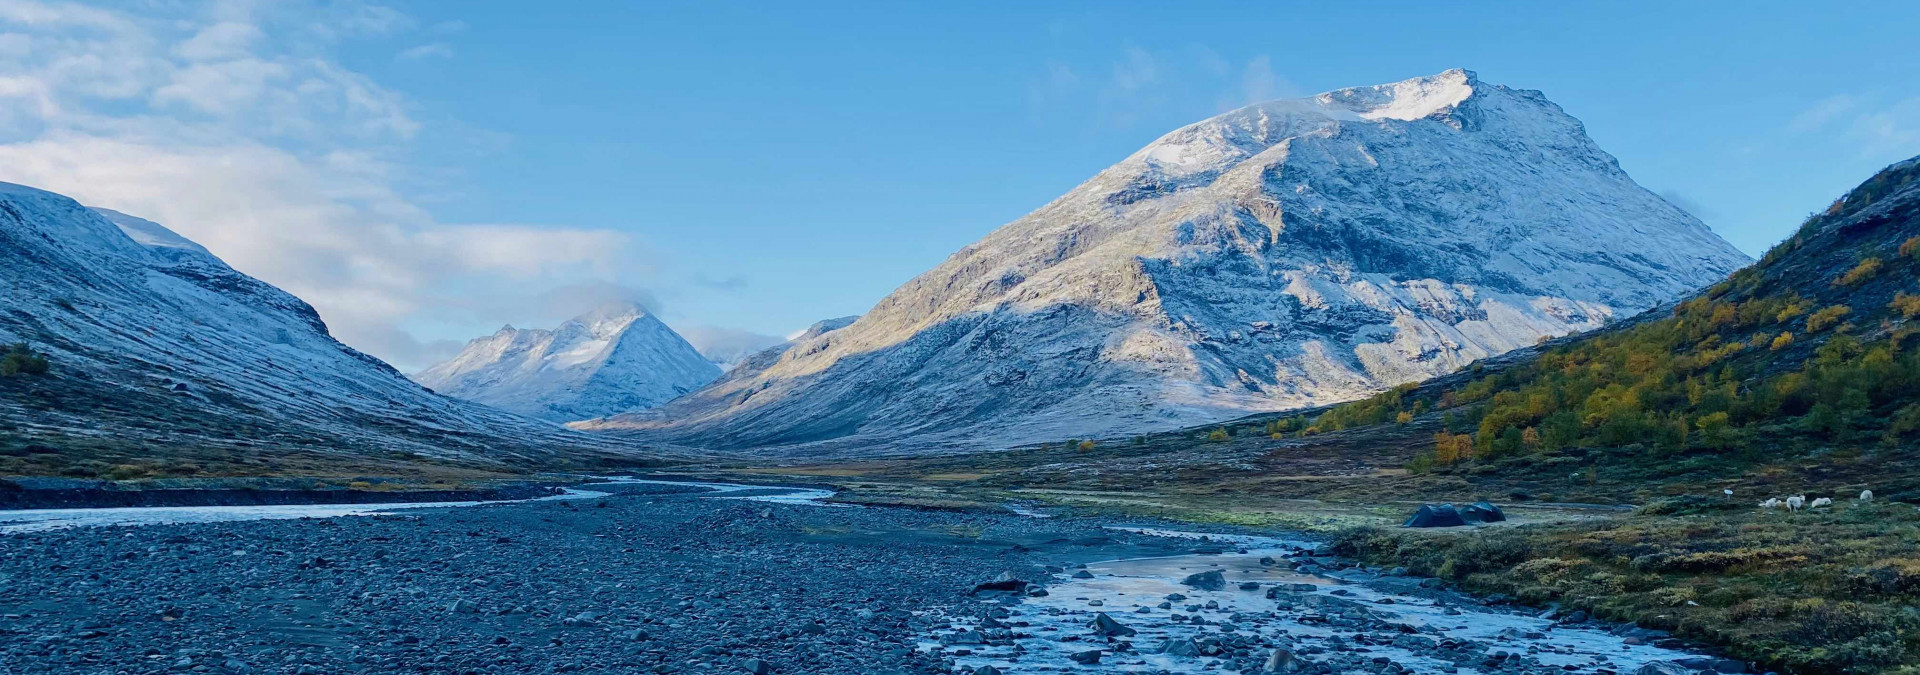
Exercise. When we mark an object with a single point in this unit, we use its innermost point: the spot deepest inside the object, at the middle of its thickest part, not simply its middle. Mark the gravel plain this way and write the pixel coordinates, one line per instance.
(652, 578)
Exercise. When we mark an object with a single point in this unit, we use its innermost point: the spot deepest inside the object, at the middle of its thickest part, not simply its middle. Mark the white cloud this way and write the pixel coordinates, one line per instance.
(1822, 113)
(726, 345)
(1895, 127)
(431, 50)
(223, 40)
(1877, 128)
(1141, 85)
(231, 124)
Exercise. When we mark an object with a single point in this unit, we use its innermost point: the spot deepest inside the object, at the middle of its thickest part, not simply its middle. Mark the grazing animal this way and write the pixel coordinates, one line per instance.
(1771, 503)
(1866, 495)
(1796, 502)
(1823, 501)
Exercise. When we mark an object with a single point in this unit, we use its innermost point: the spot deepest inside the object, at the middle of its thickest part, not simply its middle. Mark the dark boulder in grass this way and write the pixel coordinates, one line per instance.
(1482, 512)
(1429, 515)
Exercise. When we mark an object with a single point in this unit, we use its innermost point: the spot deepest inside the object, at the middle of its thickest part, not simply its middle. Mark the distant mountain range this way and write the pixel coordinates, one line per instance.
(1283, 255)
(617, 358)
(159, 352)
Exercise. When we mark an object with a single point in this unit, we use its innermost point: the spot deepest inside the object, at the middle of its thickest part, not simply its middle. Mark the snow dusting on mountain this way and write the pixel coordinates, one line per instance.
(615, 359)
(1282, 255)
(156, 345)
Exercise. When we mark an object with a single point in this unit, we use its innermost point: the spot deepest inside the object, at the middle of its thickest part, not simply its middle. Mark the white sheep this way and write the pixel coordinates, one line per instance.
(1823, 501)
(1796, 502)
(1771, 503)
(1866, 495)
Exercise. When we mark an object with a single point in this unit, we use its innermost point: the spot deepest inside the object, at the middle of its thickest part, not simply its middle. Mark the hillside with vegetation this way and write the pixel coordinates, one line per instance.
(1796, 376)
(1804, 364)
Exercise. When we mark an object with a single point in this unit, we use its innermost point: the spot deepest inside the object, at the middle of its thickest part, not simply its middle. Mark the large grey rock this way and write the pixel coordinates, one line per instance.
(1211, 580)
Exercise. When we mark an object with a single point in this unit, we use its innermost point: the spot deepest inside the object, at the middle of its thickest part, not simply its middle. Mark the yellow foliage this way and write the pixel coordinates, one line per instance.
(1906, 304)
(1861, 272)
(1827, 317)
(1783, 341)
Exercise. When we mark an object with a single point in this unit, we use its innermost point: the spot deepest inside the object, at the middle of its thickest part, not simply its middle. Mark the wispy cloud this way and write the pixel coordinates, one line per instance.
(233, 124)
(731, 282)
(1139, 84)
(1875, 126)
(431, 50)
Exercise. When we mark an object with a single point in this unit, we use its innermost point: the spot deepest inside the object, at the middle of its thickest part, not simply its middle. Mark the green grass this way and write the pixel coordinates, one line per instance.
(1822, 591)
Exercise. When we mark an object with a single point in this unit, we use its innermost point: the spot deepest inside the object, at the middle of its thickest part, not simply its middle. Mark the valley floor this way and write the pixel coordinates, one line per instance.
(663, 578)
(1830, 590)
(649, 579)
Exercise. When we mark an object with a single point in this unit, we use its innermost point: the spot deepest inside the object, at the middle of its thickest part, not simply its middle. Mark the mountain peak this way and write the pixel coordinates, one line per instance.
(614, 358)
(1406, 100)
(1283, 255)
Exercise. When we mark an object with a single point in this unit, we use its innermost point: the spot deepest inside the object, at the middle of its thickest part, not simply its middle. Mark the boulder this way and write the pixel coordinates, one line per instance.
(1107, 626)
(1180, 647)
(1430, 515)
(1087, 658)
(1211, 580)
(1005, 583)
(1663, 668)
(1281, 661)
(1482, 512)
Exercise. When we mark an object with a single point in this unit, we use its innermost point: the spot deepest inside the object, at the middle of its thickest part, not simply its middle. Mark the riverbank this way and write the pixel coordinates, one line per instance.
(1828, 590)
(78, 494)
(1831, 590)
(676, 578)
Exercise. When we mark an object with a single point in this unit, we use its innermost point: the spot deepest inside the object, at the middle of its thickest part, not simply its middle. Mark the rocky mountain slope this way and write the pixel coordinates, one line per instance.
(163, 359)
(1283, 255)
(614, 359)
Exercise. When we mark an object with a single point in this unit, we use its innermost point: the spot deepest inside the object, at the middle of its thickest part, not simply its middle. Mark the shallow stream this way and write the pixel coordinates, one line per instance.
(33, 520)
(1342, 618)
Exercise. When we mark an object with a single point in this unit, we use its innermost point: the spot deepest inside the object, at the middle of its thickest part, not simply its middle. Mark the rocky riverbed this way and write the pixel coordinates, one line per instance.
(664, 578)
(652, 578)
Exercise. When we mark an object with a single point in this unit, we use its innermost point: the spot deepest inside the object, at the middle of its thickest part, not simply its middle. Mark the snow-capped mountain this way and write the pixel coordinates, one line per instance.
(1281, 255)
(614, 359)
(158, 347)
(727, 347)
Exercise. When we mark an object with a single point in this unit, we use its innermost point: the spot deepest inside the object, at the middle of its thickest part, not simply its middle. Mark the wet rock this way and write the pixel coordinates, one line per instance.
(1083, 574)
(1087, 658)
(1211, 580)
(1106, 626)
(757, 667)
(1005, 583)
(1184, 646)
(1663, 668)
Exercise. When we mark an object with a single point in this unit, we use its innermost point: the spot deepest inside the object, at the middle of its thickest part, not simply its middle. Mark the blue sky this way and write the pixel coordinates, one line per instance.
(757, 167)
